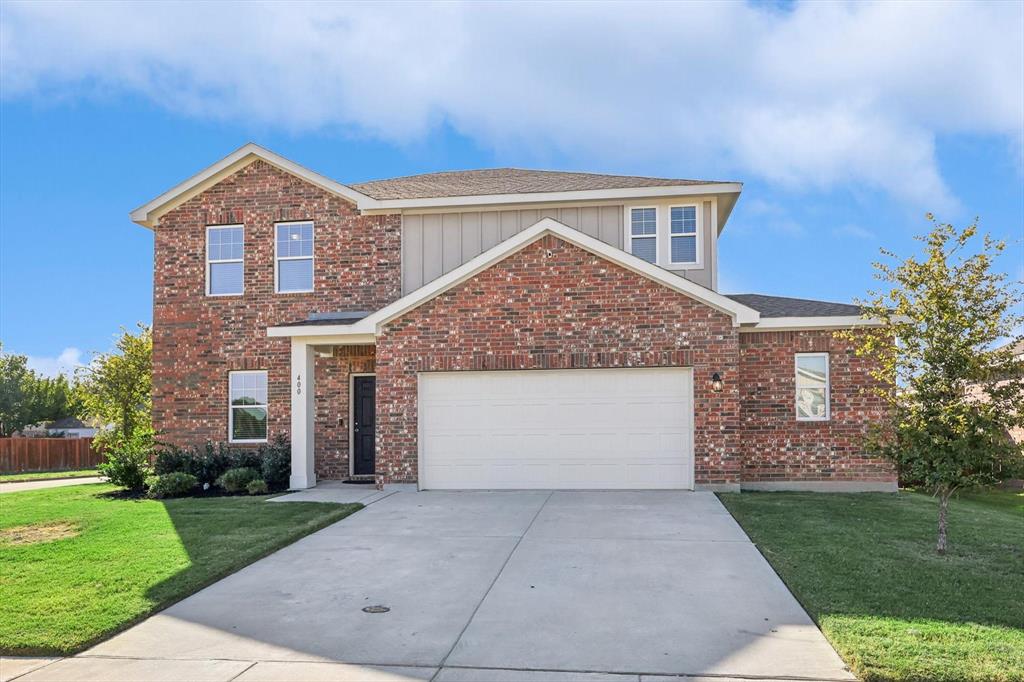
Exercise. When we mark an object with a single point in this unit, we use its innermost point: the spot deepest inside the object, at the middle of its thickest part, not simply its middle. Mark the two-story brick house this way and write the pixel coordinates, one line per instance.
(493, 329)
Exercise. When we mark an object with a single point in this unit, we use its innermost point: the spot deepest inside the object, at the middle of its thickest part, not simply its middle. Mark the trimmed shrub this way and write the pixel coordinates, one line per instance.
(272, 463)
(174, 484)
(172, 459)
(277, 462)
(211, 463)
(127, 462)
(236, 480)
(244, 459)
(257, 487)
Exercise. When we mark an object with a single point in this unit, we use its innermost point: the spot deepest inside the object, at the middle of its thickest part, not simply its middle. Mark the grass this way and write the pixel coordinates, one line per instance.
(46, 475)
(124, 559)
(1010, 500)
(865, 568)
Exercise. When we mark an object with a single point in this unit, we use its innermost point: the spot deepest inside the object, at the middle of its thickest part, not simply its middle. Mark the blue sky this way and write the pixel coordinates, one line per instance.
(842, 143)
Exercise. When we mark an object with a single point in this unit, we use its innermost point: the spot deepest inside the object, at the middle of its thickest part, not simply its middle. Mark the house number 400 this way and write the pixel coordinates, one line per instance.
(298, 384)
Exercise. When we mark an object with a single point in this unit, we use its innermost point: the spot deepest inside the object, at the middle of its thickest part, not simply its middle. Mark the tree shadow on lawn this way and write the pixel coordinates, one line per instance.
(223, 534)
(192, 542)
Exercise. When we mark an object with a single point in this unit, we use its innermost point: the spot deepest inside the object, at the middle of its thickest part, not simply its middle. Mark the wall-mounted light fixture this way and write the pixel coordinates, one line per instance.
(716, 382)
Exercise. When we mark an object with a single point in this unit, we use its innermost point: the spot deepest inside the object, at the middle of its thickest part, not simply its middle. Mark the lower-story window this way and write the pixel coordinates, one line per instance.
(247, 407)
(812, 387)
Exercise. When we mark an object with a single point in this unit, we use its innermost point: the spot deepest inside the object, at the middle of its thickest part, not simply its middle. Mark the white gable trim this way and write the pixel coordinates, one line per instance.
(741, 314)
(148, 214)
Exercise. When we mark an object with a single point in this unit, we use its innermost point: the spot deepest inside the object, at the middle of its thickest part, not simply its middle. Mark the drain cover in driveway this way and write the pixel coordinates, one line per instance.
(376, 609)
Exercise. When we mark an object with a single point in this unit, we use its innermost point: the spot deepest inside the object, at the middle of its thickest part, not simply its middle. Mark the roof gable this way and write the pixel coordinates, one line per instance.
(371, 325)
(148, 214)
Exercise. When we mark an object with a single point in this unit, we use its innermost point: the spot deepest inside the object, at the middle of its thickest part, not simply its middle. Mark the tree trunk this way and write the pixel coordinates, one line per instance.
(944, 496)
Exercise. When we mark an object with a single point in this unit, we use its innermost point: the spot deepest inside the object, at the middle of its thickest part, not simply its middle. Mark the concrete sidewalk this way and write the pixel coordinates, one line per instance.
(527, 586)
(48, 483)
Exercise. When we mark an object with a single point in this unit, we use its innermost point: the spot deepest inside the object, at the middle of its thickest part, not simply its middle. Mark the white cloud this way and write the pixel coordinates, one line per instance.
(66, 363)
(771, 216)
(851, 230)
(824, 95)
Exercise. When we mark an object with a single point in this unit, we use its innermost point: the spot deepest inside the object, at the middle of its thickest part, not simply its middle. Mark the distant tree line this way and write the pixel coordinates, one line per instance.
(27, 397)
(114, 389)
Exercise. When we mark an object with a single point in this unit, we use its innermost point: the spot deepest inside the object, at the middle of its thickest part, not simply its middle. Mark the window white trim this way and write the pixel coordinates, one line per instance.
(232, 408)
(311, 258)
(797, 387)
(210, 261)
(655, 236)
(697, 234)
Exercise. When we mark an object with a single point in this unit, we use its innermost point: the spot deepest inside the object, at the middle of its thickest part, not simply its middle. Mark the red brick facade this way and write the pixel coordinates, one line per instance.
(554, 305)
(198, 339)
(777, 447)
(551, 305)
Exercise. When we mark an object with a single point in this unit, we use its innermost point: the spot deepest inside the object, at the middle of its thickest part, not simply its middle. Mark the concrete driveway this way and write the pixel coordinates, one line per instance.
(532, 586)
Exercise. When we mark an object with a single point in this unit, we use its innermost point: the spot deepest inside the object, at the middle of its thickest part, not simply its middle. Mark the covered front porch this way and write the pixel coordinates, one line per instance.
(333, 404)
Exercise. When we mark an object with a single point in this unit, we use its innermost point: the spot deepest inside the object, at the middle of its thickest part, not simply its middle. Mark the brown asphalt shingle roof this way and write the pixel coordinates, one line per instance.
(505, 181)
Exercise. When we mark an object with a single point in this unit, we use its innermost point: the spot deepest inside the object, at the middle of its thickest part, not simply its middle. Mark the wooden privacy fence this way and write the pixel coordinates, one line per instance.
(47, 454)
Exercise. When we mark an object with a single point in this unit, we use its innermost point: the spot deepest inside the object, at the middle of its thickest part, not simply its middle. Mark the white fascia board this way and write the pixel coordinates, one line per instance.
(147, 214)
(741, 314)
(780, 324)
(340, 334)
(391, 205)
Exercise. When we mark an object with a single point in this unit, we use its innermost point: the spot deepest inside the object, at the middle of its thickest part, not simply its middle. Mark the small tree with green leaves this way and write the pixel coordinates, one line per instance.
(116, 387)
(951, 380)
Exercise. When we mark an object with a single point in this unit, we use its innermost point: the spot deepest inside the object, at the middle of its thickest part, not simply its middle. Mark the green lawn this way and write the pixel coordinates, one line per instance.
(47, 475)
(864, 566)
(128, 559)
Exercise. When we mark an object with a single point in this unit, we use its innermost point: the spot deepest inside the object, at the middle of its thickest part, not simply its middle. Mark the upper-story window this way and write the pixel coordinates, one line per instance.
(643, 233)
(225, 254)
(294, 260)
(812, 387)
(683, 234)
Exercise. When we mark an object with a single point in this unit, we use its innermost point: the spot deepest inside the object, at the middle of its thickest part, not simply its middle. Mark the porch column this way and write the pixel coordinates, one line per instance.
(303, 415)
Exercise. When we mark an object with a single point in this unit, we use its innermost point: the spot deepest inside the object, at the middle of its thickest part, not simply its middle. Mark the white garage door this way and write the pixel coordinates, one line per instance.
(582, 428)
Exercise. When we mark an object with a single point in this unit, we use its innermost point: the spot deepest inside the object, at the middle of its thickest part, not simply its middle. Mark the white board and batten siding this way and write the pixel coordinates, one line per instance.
(556, 429)
(436, 243)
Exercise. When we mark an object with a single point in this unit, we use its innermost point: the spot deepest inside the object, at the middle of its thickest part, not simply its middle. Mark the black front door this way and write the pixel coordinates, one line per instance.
(364, 420)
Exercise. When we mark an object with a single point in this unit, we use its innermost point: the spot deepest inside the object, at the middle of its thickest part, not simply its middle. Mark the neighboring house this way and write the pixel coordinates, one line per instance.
(1018, 433)
(66, 427)
(977, 390)
(70, 427)
(493, 329)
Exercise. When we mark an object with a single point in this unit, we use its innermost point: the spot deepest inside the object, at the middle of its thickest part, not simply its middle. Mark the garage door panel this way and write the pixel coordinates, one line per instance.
(625, 428)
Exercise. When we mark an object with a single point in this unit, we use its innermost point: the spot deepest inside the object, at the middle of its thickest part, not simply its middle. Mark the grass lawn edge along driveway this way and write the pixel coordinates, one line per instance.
(865, 568)
(77, 565)
(47, 475)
